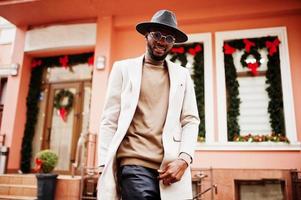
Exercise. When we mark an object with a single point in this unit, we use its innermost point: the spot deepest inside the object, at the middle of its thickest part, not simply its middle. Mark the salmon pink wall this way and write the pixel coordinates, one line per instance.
(248, 160)
(15, 104)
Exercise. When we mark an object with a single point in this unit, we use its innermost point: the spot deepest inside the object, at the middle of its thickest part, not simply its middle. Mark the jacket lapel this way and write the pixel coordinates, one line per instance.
(173, 81)
(135, 78)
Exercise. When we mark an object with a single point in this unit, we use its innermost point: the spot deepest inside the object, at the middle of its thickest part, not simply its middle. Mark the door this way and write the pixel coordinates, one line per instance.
(62, 129)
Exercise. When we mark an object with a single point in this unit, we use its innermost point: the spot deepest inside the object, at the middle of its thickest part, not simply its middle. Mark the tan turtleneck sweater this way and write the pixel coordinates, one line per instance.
(142, 144)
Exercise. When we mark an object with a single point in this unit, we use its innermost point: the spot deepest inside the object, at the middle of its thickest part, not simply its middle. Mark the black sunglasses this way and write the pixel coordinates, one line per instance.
(158, 36)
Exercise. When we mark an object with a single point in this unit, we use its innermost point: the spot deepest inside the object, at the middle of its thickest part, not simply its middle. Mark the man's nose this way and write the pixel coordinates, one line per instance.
(162, 41)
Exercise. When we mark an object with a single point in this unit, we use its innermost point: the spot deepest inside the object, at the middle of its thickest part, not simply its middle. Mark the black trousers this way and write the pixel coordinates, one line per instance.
(138, 183)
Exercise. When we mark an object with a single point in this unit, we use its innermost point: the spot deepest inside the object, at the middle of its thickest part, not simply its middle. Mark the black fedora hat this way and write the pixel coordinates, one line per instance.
(163, 19)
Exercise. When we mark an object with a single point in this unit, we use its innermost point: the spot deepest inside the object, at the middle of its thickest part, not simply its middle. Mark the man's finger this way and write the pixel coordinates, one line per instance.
(164, 175)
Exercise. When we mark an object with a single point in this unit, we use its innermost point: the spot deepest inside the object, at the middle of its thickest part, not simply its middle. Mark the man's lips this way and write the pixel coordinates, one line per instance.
(159, 49)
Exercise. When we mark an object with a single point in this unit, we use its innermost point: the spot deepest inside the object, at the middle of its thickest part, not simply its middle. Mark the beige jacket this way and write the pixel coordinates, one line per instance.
(120, 105)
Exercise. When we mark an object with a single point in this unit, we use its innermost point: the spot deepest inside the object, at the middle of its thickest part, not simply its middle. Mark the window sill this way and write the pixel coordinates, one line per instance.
(248, 146)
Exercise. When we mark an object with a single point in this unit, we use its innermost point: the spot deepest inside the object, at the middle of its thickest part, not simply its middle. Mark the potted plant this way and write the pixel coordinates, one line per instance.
(46, 161)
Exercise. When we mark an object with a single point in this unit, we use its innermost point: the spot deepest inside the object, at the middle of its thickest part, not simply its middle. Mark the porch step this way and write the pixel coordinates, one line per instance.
(18, 186)
(20, 179)
(11, 197)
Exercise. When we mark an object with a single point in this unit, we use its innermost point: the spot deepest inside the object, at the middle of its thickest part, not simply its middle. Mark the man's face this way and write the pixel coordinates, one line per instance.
(159, 48)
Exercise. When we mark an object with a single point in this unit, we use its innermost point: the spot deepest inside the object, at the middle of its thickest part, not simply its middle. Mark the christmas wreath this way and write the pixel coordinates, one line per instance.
(251, 65)
(63, 109)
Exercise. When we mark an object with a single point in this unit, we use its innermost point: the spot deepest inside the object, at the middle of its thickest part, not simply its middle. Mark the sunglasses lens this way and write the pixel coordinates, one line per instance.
(157, 35)
(169, 39)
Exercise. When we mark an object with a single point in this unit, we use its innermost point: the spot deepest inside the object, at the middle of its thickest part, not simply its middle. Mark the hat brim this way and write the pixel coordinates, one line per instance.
(145, 27)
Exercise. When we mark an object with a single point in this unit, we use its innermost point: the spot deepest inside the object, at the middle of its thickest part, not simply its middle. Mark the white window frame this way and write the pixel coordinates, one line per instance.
(205, 38)
(288, 103)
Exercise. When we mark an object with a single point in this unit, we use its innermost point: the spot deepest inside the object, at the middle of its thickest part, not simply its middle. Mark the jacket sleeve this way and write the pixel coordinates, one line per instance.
(189, 119)
(110, 114)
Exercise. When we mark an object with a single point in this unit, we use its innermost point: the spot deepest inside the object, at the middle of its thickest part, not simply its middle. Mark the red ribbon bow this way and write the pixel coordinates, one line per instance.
(272, 46)
(253, 67)
(39, 163)
(228, 49)
(195, 50)
(248, 44)
(91, 61)
(179, 50)
(64, 61)
(63, 114)
(36, 63)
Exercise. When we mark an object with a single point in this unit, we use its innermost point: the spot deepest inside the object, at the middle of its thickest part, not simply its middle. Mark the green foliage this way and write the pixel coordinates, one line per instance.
(198, 79)
(233, 100)
(31, 118)
(49, 160)
(274, 90)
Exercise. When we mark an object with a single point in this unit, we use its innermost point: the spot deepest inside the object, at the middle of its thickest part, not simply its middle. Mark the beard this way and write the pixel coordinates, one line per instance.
(153, 56)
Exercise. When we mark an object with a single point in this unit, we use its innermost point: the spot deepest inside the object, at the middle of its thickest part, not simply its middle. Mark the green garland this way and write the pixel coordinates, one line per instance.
(72, 60)
(195, 49)
(31, 118)
(38, 66)
(274, 89)
(233, 100)
(59, 98)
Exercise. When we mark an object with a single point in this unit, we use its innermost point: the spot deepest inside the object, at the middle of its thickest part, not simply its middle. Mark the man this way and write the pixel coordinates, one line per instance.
(150, 121)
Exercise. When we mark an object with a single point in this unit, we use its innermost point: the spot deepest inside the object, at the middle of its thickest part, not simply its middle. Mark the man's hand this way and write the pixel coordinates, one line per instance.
(173, 172)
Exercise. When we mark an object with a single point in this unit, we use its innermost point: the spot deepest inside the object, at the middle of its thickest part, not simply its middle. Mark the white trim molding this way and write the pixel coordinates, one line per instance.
(9, 70)
(288, 102)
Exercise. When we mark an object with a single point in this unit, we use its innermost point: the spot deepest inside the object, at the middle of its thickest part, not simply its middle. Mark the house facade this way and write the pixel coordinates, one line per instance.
(56, 58)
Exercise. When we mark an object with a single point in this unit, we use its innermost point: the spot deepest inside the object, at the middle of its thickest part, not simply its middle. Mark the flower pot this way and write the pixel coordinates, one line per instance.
(46, 186)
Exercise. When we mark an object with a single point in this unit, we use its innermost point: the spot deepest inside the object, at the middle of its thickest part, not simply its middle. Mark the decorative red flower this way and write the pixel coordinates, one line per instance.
(39, 163)
(272, 46)
(179, 50)
(64, 61)
(248, 44)
(253, 67)
(91, 60)
(228, 49)
(36, 63)
(195, 50)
